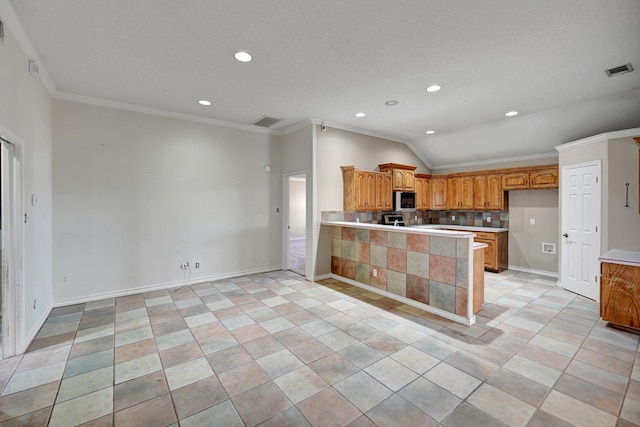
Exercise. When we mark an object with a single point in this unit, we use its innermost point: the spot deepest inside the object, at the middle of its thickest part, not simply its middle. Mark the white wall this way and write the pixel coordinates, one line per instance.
(624, 222)
(525, 239)
(25, 119)
(135, 195)
(297, 155)
(343, 148)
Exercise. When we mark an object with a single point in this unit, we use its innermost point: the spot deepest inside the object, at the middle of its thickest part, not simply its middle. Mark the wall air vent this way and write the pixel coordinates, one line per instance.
(266, 122)
(627, 68)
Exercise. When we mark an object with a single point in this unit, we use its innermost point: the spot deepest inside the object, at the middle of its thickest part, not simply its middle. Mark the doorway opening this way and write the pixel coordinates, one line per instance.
(296, 226)
(10, 235)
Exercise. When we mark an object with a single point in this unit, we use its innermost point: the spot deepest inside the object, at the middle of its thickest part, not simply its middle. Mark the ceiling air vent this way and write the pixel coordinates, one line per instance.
(627, 68)
(266, 122)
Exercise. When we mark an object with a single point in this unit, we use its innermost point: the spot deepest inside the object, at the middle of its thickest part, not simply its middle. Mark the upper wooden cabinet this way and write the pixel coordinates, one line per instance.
(384, 192)
(460, 192)
(403, 176)
(423, 192)
(515, 181)
(482, 190)
(544, 178)
(488, 193)
(439, 192)
(530, 178)
(365, 190)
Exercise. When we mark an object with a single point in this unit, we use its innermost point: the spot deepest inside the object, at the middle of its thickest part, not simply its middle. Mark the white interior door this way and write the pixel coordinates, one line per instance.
(581, 206)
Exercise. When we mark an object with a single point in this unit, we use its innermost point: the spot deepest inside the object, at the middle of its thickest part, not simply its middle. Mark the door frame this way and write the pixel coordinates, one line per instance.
(563, 182)
(12, 240)
(285, 219)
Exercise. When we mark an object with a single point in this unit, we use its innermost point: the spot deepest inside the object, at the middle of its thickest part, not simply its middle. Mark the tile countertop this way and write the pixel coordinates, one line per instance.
(617, 256)
(433, 231)
(462, 228)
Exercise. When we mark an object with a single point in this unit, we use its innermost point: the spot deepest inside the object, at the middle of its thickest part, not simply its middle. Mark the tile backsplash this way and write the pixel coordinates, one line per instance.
(498, 219)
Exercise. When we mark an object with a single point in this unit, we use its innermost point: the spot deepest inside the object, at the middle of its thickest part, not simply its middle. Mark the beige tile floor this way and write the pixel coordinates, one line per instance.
(275, 350)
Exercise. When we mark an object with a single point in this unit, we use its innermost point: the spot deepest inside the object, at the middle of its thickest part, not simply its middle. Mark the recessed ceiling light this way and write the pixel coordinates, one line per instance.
(391, 103)
(242, 56)
(434, 88)
(511, 113)
(430, 132)
(204, 102)
(360, 114)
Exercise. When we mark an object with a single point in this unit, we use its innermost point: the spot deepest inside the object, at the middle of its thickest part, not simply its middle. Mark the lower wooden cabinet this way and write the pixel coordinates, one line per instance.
(496, 254)
(620, 294)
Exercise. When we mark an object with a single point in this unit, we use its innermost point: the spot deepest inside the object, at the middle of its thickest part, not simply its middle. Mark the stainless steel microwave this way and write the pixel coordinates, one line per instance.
(404, 201)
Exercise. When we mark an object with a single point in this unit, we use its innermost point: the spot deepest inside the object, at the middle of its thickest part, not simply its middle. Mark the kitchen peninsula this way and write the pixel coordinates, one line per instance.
(439, 271)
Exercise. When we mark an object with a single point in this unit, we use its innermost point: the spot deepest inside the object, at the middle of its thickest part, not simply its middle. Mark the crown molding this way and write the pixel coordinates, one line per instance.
(361, 131)
(162, 113)
(498, 161)
(626, 133)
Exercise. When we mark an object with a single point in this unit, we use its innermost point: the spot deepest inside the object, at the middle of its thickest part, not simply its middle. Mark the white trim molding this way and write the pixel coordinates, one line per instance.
(545, 273)
(599, 138)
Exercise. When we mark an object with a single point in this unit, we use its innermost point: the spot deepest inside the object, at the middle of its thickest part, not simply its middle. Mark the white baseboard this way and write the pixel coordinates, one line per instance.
(162, 286)
(28, 339)
(428, 308)
(321, 277)
(534, 271)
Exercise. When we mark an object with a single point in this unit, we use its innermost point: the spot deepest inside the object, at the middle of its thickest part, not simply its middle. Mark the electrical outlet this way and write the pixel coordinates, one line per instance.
(375, 272)
(488, 219)
(532, 221)
(34, 304)
(453, 217)
(184, 265)
(197, 265)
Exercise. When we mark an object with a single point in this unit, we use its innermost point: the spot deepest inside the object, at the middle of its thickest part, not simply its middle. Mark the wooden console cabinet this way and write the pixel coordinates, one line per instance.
(620, 291)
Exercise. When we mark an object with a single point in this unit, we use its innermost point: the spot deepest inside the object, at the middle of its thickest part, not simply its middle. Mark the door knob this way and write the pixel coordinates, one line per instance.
(565, 235)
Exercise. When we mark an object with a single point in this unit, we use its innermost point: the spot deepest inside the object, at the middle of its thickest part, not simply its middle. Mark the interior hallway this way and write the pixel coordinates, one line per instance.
(278, 350)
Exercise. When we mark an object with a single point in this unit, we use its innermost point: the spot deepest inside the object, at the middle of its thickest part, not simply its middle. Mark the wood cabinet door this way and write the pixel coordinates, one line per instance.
(490, 259)
(494, 195)
(379, 178)
(426, 193)
(544, 178)
(383, 191)
(515, 181)
(453, 193)
(480, 189)
(408, 180)
(370, 192)
(466, 192)
(439, 193)
(388, 191)
(360, 190)
(419, 193)
(398, 179)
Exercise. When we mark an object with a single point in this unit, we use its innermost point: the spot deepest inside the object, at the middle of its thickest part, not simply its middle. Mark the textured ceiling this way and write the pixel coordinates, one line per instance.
(329, 59)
